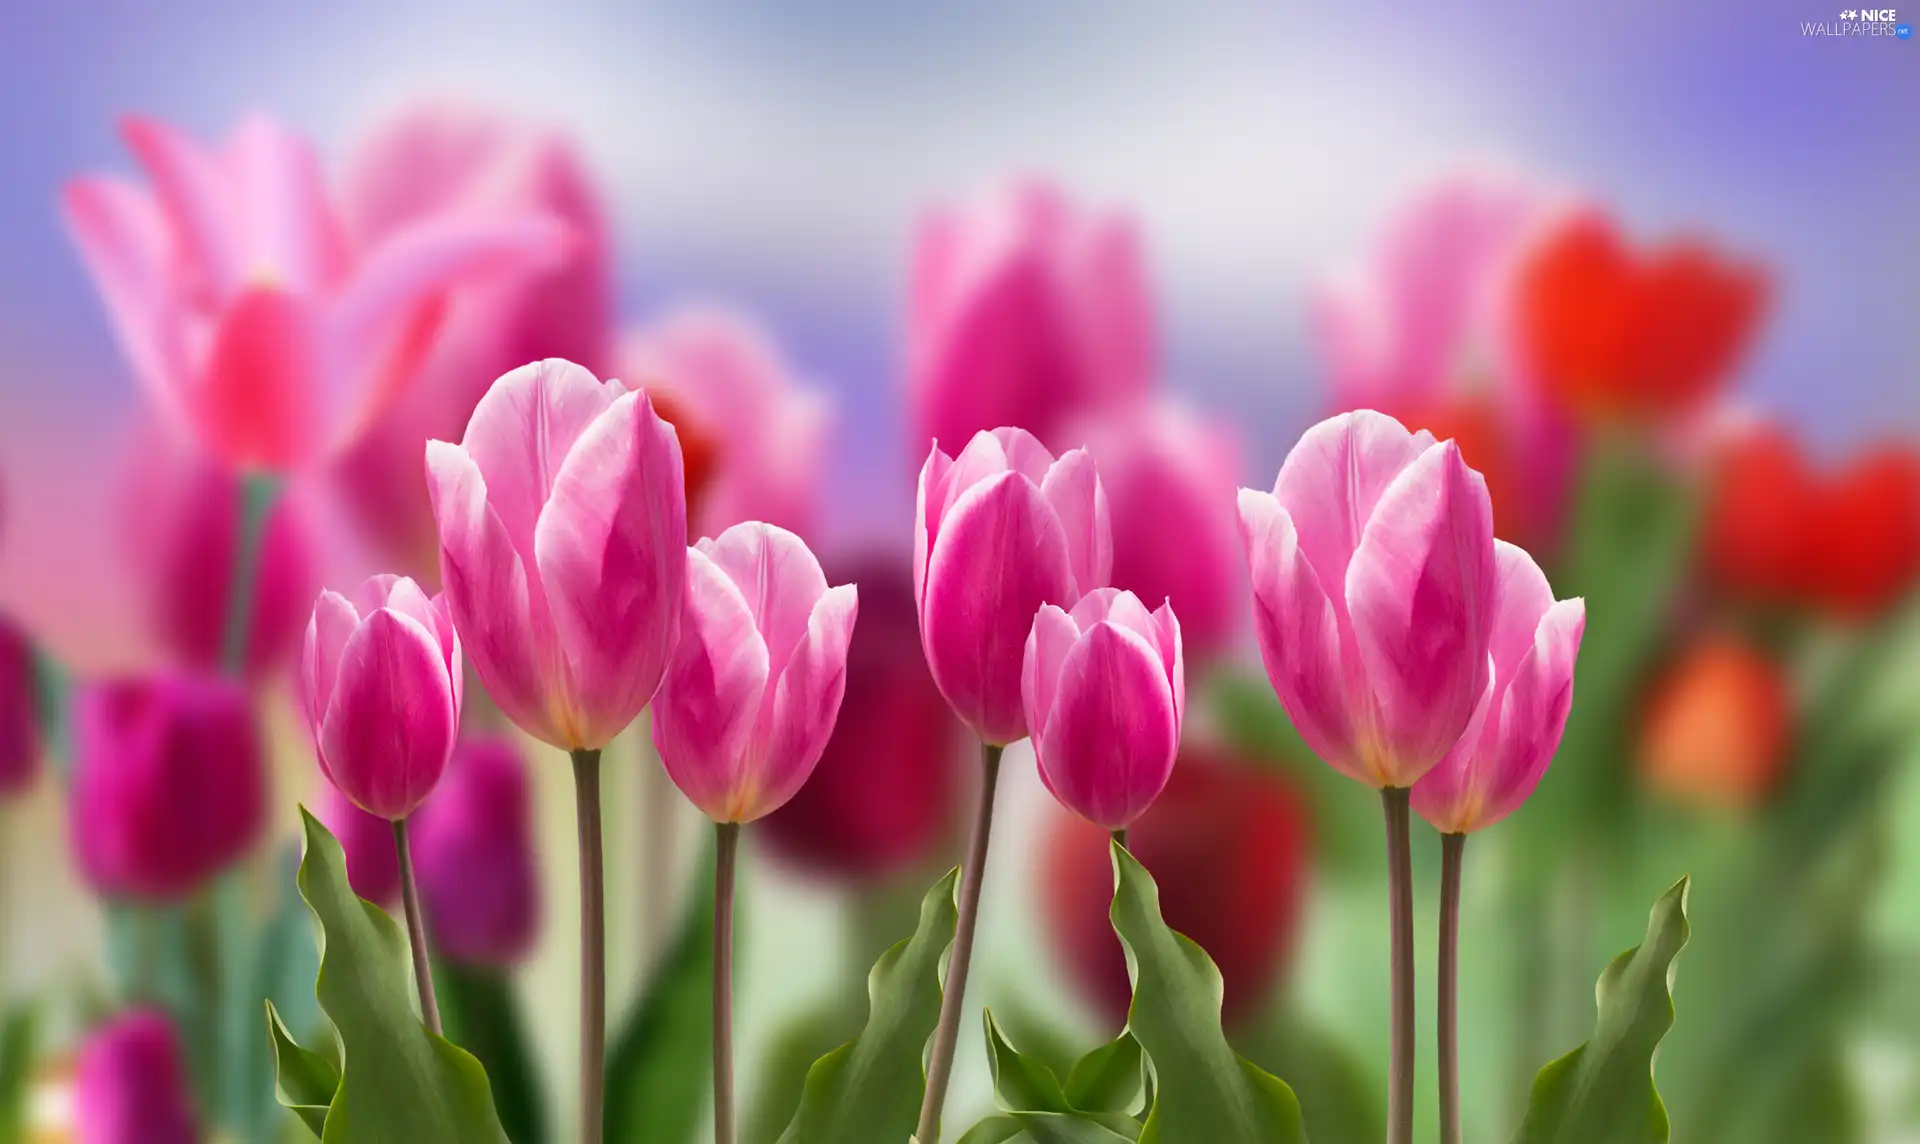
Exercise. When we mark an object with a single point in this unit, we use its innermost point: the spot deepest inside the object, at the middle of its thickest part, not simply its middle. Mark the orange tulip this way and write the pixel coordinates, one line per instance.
(1717, 726)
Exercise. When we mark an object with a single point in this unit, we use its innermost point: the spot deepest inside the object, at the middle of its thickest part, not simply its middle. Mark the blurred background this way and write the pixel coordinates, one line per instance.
(1655, 267)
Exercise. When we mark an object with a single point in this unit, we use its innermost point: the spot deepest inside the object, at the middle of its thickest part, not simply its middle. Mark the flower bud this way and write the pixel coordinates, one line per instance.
(473, 853)
(373, 865)
(130, 1086)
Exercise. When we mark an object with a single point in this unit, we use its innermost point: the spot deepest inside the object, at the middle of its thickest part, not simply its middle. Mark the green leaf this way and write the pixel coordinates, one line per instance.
(781, 1070)
(1205, 1093)
(481, 1014)
(19, 1041)
(868, 1091)
(1602, 1092)
(305, 1080)
(1108, 1078)
(399, 1084)
(277, 963)
(1339, 1096)
(1054, 1128)
(661, 1062)
(993, 1130)
(1020, 1084)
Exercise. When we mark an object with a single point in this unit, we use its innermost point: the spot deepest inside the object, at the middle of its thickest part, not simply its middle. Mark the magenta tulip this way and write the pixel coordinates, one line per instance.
(769, 431)
(1027, 309)
(473, 848)
(1374, 584)
(245, 310)
(998, 531)
(1106, 690)
(436, 160)
(1499, 760)
(756, 684)
(563, 549)
(19, 712)
(169, 784)
(130, 1085)
(381, 678)
(373, 866)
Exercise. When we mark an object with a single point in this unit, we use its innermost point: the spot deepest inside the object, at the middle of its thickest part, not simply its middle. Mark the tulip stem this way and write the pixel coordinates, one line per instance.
(1400, 911)
(593, 948)
(416, 929)
(257, 494)
(726, 853)
(1453, 848)
(947, 1034)
(1120, 837)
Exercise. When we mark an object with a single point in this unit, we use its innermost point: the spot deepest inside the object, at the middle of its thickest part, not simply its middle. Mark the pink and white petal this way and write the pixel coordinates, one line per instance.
(1110, 742)
(1449, 795)
(806, 705)
(1053, 636)
(704, 716)
(1118, 606)
(1072, 488)
(197, 196)
(611, 548)
(124, 241)
(333, 623)
(1024, 452)
(391, 724)
(778, 576)
(984, 457)
(1173, 655)
(1521, 598)
(521, 432)
(927, 506)
(289, 234)
(1334, 477)
(1533, 713)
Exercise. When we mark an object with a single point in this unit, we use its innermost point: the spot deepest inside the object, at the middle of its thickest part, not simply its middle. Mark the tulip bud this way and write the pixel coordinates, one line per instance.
(381, 678)
(999, 531)
(1227, 842)
(1105, 689)
(1717, 726)
(750, 700)
(169, 784)
(883, 792)
(19, 712)
(1507, 748)
(563, 548)
(473, 852)
(1374, 581)
(130, 1086)
(373, 866)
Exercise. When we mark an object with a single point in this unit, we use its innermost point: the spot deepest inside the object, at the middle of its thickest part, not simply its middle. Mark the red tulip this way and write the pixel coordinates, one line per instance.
(19, 712)
(1717, 725)
(1867, 536)
(1761, 503)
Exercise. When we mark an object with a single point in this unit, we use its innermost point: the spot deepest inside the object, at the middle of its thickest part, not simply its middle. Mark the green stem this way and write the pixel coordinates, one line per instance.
(416, 929)
(1452, 851)
(726, 852)
(1400, 909)
(946, 1035)
(257, 494)
(593, 948)
(1120, 836)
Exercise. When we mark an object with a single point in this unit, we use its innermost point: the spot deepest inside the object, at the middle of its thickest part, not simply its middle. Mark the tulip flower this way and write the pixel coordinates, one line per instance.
(1619, 334)
(130, 1086)
(248, 315)
(1867, 537)
(19, 712)
(1026, 309)
(169, 784)
(373, 869)
(882, 795)
(1758, 517)
(436, 160)
(1228, 843)
(769, 432)
(1105, 689)
(1374, 589)
(474, 845)
(1170, 477)
(1717, 726)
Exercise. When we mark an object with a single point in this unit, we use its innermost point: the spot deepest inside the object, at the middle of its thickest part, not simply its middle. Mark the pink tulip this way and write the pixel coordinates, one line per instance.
(248, 314)
(1516, 728)
(1170, 479)
(381, 679)
(433, 161)
(130, 1086)
(373, 865)
(473, 850)
(563, 533)
(756, 684)
(999, 531)
(183, 519)
(770, 432)
(1026, 310)
(19, 712)
(1374, 589)
(1105, 687)
(169, 784)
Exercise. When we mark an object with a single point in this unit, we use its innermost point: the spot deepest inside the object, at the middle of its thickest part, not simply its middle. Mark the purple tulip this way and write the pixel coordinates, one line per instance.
(130, 1086)
(19, 712)
(473, 850)
(373, 867)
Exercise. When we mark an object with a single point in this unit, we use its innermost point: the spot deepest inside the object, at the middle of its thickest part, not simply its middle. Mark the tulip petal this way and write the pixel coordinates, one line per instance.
(1109, 743)
(926, 524)
(1072, 488)
(1298, 633)
(611, 547)
(1533, 712)
(193, 191)
(290, 234)
(1420, 591)
(1521, 597)
(779, 578)
(806, 704)
(708, 705)
(258, 397)
(333, 623)
(1173, 655)
(1053, 636)
(125, 243)
(390, 716)
(521, 432)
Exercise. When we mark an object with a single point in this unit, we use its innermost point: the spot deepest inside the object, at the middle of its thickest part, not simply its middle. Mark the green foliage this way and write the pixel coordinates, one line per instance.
(19, 1041)
(481, 1014)
(305, 1080)
(1035, 1107)
(661, 1061)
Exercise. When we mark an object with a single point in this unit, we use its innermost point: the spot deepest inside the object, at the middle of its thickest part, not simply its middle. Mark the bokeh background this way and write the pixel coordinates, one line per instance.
(777, 161)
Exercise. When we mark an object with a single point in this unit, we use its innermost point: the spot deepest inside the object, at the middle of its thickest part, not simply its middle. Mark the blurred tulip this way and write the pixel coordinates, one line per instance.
(1105, 690)
(1759, 510)
(130, 1085)
(381, 677)
(1615, 333)
(751, 698)
(1374, 582)
(1228, 843)
(1866, 539)
(883, 793)
(1026, 310)
(373, 866)
(768, 431)
(1717, 725)
(183, 516)
(1170, 478)
(1000, 530)
(563, 536)
(437, 160)
(1499, 760)
(169, 784)
(1423, 329)
(473, 850)
(19, 712)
